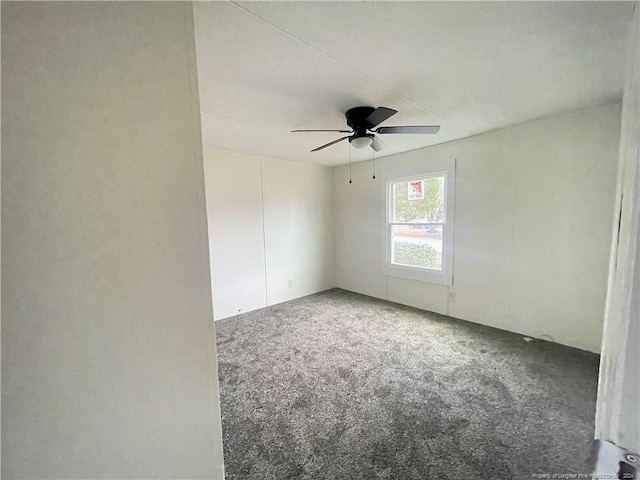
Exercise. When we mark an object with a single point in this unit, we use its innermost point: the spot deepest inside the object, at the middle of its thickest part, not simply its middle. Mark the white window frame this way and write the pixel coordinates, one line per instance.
(444, 276)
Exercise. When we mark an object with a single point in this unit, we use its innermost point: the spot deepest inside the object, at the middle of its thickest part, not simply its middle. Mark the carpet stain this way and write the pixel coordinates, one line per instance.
(342, 386)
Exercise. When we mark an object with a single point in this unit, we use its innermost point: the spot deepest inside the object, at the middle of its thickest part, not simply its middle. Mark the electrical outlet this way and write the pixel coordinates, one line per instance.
(290, 283)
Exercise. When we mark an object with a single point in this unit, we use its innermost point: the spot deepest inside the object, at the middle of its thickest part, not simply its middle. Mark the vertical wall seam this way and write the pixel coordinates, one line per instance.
(264, 236)
(514, 189)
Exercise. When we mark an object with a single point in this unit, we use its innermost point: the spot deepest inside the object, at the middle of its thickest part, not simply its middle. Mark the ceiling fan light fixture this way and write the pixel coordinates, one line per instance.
(361, 142)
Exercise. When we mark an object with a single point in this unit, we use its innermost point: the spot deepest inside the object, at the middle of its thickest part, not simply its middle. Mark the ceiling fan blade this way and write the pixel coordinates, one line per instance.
(378, 116)
(339, 131)
(330, 143)
(378, 144)
(409, 129)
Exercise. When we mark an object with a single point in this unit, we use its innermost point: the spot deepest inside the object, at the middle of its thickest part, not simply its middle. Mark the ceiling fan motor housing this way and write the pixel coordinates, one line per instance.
(357, 119)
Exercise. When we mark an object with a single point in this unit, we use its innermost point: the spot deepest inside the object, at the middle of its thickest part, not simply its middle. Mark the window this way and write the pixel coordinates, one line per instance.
(419, 227)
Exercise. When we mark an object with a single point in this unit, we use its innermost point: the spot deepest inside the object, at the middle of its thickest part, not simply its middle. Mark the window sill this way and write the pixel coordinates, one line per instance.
(426, 275)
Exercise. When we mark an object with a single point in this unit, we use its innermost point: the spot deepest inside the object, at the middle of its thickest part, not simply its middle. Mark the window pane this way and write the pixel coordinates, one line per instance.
(419, 201)
(417, 245)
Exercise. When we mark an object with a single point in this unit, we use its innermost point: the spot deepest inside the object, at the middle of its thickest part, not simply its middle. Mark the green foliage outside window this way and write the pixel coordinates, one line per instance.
(416, 255)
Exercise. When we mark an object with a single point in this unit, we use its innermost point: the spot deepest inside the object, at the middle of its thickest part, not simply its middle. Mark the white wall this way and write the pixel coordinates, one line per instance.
(233, 184)
(533, 209)
(270, 221)
(108, 348)
(618, 412)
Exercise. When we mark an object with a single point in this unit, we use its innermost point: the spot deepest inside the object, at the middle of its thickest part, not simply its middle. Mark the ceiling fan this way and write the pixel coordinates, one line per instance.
(363, 121)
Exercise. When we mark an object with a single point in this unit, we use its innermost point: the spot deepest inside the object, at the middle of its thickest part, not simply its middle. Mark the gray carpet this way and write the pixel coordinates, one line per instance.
(342, 386)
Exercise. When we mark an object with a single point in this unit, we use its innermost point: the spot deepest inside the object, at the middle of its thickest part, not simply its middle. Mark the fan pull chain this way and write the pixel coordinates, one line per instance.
(350, 164)
(374, 164)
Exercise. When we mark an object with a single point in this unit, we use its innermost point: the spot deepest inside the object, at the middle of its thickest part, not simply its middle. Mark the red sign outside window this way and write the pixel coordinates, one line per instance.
(415, 190)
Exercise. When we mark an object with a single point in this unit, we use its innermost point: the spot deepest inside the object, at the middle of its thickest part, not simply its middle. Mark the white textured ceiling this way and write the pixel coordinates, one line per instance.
(266, 68)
